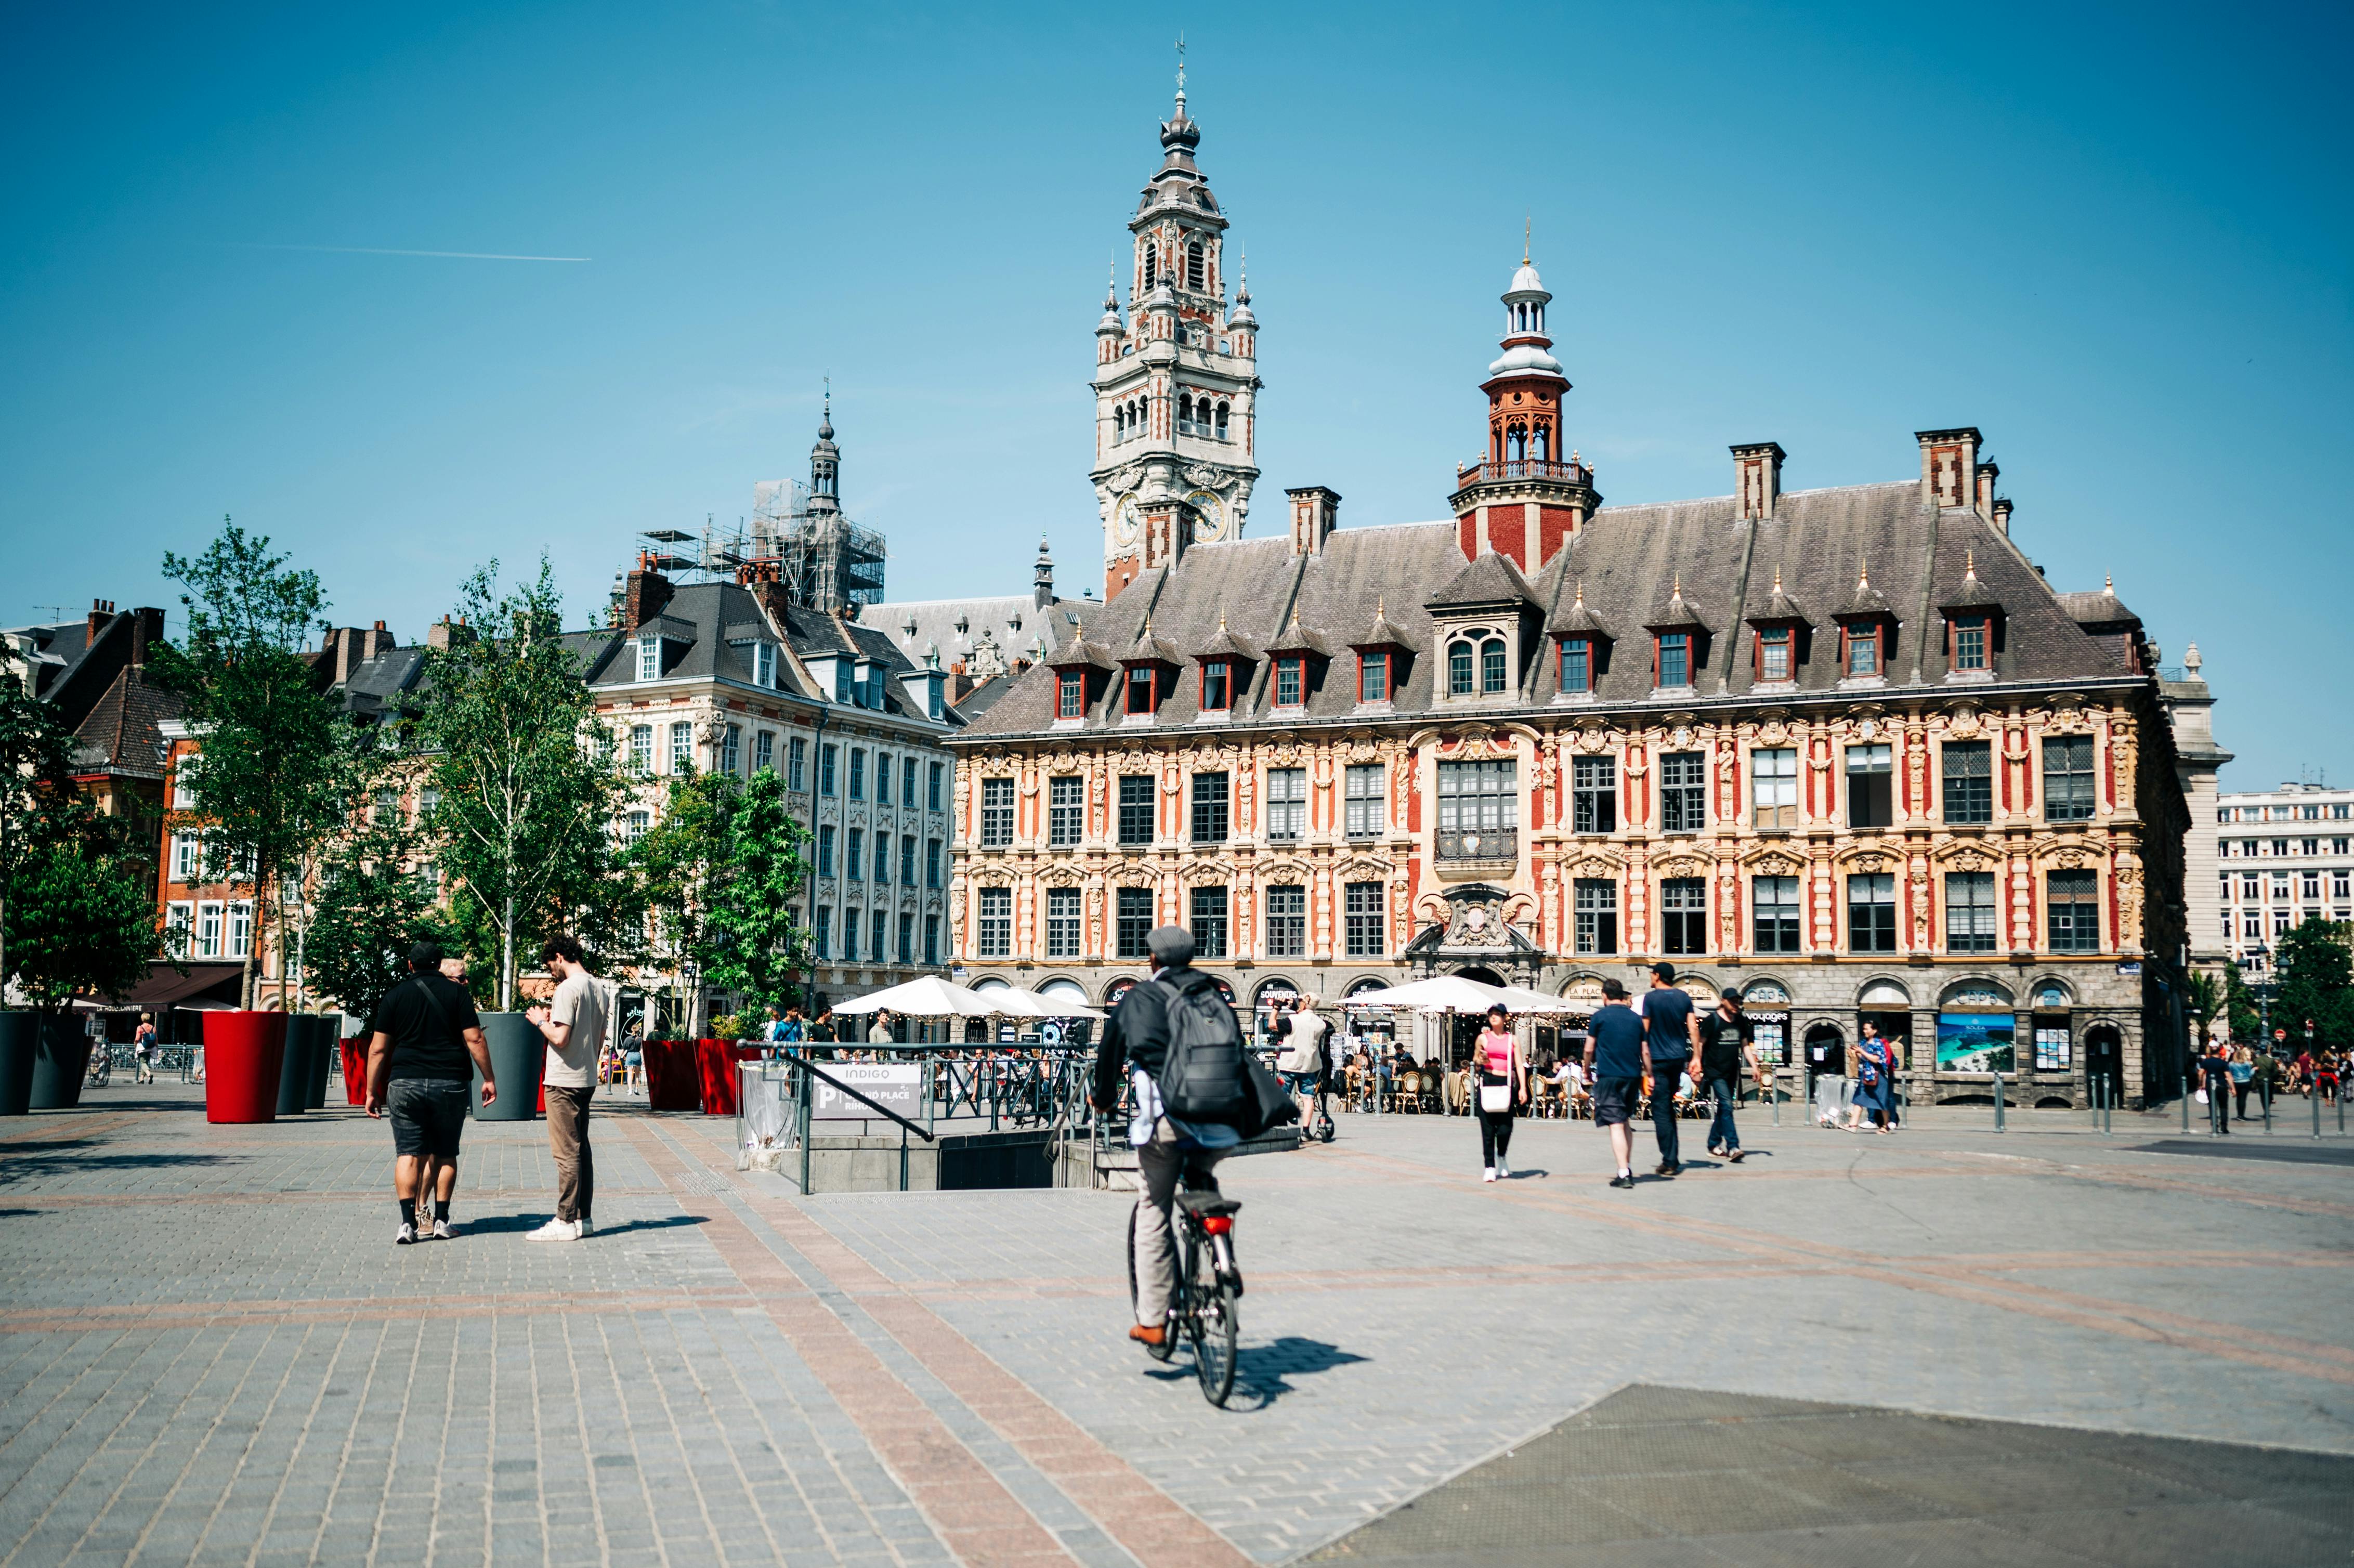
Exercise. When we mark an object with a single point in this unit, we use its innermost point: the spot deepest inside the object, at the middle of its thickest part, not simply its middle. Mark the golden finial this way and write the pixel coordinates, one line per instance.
(1527, 225)
(2108, 584)
(1222, 617)
(1778, 577)
(1580, 602)
(1864, 574)
(1678, 591)
(1969, 565)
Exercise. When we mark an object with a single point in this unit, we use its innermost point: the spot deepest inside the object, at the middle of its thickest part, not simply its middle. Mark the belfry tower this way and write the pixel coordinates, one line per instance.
(1175, 381)
(1526, 497)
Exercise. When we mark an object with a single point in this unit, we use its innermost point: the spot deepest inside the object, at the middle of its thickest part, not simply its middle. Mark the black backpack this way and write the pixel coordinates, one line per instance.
(1201, 1078)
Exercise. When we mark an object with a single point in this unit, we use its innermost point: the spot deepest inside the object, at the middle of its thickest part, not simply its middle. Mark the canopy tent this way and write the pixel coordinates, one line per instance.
(1018, 1004)
(928, 997)
(1441, 993)
(1536, 1003)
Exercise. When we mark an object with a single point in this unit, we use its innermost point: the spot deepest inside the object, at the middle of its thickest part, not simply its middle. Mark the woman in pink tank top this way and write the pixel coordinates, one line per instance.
(1503, 1085)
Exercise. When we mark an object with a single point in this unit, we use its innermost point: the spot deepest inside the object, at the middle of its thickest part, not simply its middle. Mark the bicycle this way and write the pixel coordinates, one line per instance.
(1205, 1310)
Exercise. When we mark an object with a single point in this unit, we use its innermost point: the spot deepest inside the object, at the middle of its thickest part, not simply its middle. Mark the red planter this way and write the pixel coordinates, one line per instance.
(244, 1053)
(355, 1069)
(714, 1062)
(671, 1081)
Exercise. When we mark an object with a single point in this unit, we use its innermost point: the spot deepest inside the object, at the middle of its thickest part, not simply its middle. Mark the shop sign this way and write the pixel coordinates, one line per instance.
(2050, 1049)
(1766, 994)
(1975, 1042)
(1585, 993)
(1773, 1035)
(898, 1085)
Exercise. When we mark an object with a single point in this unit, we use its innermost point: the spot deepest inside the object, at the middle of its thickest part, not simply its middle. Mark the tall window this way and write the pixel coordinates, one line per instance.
(883, 859)
(1065, 809)
(1136, 808)
(826, 850)
(1286, 802)
(1062, 922)
(1869, 803)
(731, 749)
(1134, 922)
(1970, 643)
(241, 928)
(649, 658)
(1683, 792)
(908, 938)
(1491, 665)
(682, 748)
(907, 859)
(857, 773)
(1596, 911)
(797, 764)
(1071, 694)
(996, 812)
(1774, 901)
(877, 937)
(1683, 915)
(1367, 789)
(827, 758)
(641, 749)
(179, 921)
(850, 935)
(1209, 913)
(931, 939)
(1863, 651)
(1141, 684)
(1576, 664)
(1675, 659)
(2071, 899)
(184, 857)
(932, 863)
(907, 782)
(208, 930)
(932, 786)
(764, 750)
(883, 778)
(1291, 684)
(2067, 778)
(1872, 913)
(1364, 919)
(1774, 787)
(996, 922)
(1773, 662)
(1969, 912)
(1374, 676)
(853, 861)
(1217, 687)
(822, 931)
(1594, 795)
(1459, 657)
(1209, 807)
(1286, 921)
(1195, 279)
(1969, 781)
(1476, 796)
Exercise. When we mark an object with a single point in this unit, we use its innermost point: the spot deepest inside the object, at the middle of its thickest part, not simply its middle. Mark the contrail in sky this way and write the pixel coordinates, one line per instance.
(376, 250)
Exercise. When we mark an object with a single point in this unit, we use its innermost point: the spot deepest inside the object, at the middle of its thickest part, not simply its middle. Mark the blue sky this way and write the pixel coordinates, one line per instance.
(2114, 239)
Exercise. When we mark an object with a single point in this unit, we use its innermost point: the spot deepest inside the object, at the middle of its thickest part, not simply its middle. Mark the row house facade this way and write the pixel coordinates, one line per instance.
(1843, 749)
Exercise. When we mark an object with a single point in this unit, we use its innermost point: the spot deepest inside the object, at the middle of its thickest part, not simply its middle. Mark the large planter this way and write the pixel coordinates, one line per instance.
(517, 1051)
(673, 1081)
(61, 1063)
(325, 1029)
(355, 1055)
(294, 1070)
(714, 1073)
(245, 1056)
(19, 1033)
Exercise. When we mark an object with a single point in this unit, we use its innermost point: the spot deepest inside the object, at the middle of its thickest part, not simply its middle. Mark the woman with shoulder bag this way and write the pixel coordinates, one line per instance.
(1503, 1084)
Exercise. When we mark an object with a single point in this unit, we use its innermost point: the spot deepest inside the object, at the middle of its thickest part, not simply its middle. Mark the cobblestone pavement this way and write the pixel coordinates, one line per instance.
(210, 1352)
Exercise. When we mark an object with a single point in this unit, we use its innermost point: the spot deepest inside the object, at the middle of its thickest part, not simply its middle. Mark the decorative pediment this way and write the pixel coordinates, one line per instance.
(1770, 860)
(1867, 861)
(1965, 854)
(1062, 874)
(1597, 863)
(1206, 872)
(1683, 866)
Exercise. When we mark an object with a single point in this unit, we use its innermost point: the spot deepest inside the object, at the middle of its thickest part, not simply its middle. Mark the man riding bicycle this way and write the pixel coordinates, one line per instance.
(1137, 1041)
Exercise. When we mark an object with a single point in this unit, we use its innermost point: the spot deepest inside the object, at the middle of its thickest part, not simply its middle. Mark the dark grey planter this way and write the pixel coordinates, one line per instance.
(294, 1069)
(60, 1059)
(517, 1050)
(327, 1030)
(18, 1033)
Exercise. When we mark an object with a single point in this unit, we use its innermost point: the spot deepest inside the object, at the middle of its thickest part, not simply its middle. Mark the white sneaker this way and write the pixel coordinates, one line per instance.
(1502, 1173)
(442, 1231)
(556, 1230)
(407, 1236)
(1489, 1175)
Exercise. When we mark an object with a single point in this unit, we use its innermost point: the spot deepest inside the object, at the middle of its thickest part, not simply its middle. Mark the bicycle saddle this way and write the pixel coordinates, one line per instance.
(1208, 1204)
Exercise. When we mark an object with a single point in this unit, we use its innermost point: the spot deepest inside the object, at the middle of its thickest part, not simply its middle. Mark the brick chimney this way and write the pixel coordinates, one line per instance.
(2001, 512)
(445, 633)
(645, 594)
(102, 610)
(146, 629)
(1756, 479)
(1315, 513)
(1949, 463)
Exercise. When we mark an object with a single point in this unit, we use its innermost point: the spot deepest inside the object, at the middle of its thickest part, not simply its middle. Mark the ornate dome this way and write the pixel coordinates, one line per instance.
(1526, 359)
(1526, 282)
(1178, 131)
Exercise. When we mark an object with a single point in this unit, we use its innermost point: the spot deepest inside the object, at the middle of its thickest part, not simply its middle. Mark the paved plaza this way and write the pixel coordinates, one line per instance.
(213, 1353)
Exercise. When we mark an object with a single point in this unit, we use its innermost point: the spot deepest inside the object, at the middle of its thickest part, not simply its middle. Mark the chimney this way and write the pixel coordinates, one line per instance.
(1987, 471)
(1315, 513)
(2001, 512)
(445, 634)
(102, 610)
(1041, 576)
(645, 594)
(1949, 460)
(146, 629)
(1756, 479)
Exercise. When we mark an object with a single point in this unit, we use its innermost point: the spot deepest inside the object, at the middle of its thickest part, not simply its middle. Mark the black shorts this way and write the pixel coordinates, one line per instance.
(1614, 1100)
(429, 1115)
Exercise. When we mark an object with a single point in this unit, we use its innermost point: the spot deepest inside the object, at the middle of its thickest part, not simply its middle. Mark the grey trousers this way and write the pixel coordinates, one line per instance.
(568, 1140)
(1152, 1252)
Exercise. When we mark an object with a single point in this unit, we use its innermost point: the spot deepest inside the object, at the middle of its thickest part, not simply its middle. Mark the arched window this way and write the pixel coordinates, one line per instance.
(1193, 273)
(1491, 665)
(1222, 421)
(1185, 414)
(1540, 443)
(1118, 423)
(1152, 267)
(1459, 669)
(1516, 444)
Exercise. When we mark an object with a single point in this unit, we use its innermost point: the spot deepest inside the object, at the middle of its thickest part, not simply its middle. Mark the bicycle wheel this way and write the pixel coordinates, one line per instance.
(1213, 1323)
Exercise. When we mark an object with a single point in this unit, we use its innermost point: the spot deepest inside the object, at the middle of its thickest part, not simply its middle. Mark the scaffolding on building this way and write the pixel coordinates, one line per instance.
(824, 560)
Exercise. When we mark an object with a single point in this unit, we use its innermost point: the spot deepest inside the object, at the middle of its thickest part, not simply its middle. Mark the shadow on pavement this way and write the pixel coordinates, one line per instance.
(26, 1162)
(493, 1224)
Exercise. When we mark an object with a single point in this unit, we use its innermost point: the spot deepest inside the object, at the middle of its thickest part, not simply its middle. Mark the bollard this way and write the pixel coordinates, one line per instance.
(2186, 1105)
(1774, 1093)
(1998, 1102)
(2315, 1098)
(2264, 1092)
(2100, 1104)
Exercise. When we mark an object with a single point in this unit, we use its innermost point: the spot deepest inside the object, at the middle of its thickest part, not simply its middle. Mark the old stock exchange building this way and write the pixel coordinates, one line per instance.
(1841, 748)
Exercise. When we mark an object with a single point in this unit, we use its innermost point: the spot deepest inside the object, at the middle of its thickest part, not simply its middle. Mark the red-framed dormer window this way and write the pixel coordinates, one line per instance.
(1971, 641)
(1144, 688)
(1577, 663)
(1863, 650)
(1374, 676)
(1777, 654)
(1218, 685)
(1671, 658)
(1070, 693)
(1290, 681)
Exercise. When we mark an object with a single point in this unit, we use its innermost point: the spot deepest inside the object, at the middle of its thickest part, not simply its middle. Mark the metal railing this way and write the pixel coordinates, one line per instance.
(1489, 473)
(1479, 843)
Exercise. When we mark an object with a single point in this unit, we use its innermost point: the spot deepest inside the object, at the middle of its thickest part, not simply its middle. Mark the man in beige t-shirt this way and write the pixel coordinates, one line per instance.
(574, 1026)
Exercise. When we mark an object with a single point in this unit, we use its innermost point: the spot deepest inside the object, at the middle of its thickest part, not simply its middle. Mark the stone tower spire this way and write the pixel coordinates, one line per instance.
(1524, 498)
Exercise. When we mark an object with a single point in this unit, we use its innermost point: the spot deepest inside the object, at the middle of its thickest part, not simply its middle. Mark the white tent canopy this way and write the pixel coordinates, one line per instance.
(1441, 993)
(928, 997)
(1018, 1004)
(1521, 999)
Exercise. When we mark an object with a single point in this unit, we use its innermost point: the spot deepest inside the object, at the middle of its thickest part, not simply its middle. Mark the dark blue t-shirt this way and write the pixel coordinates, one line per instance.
(1617, 1042)
(1667, 1009)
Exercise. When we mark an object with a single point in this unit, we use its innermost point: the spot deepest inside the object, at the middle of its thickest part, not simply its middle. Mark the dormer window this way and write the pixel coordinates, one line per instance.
(1218, 685)
(1673, 663)
(1143, 690)
(1290, 680)
(1776, 654)
(650, 657)
(1374, 675)
(1491, 665)
(1860, 656)
(1969, 642)
(1071, 694)
(1577, 663)
(1458, 668)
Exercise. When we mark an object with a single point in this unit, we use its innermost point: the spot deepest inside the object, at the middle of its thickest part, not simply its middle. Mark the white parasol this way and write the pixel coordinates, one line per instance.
(928, 997)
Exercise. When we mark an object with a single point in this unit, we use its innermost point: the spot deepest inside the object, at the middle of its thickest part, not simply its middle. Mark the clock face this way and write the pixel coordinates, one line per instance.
(1209, 515)
(1127, 523)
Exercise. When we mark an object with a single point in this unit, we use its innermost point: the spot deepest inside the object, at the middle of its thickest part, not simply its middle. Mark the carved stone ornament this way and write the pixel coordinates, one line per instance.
(1963, 723)
(1681, 866)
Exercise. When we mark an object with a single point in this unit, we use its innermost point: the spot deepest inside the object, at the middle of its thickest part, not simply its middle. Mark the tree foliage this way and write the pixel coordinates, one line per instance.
(2314, 963)
(36, 780)
(371, 907)
(523, 765)
(756, 943)
(268, 780)
(680, 865)
(81, 917)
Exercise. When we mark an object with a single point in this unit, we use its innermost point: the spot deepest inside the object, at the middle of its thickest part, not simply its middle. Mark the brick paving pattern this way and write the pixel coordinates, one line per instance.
(211, 1353)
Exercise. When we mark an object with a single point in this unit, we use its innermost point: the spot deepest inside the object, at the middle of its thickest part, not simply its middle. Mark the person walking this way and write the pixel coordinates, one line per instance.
(2215, 1082)
(425, 1044)
(1503, 1086)
(633, 1057)
(1672, 1033)
(1728, 1042)
(1875, 1083)
(1614, 1054)
(1301, 1065)
(2244, 1077)
(143, 1050)
(879, 1031)
(573, 1024)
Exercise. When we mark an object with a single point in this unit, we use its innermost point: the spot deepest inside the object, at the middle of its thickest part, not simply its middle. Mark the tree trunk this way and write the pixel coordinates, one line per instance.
(245, 976)
(506, 958)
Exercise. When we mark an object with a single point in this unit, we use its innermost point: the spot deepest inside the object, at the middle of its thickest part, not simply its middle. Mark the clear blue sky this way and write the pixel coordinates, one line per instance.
(2115, 240)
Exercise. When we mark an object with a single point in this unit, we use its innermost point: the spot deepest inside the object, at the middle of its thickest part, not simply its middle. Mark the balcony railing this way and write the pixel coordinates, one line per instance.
(1479, 843)
(1523, 468)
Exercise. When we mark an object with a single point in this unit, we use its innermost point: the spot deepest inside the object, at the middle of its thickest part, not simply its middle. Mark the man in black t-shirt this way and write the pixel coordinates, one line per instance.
(1672, 1034)
(1727, 1042)
(425, 1046)
(1614, 1054)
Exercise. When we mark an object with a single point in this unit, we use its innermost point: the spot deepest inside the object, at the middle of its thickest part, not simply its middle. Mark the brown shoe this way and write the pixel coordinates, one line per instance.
(1153, 1335)
(1735, 1156)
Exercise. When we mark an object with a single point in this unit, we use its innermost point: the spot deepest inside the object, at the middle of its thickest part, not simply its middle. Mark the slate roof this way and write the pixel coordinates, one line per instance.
(121, 733)
(1489, 580)
(1013, 622)
(1628, 558)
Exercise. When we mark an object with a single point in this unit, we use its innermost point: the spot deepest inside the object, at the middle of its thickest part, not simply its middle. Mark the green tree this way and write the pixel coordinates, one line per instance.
(756, 945)
(370, 907)
(82, 917)
(680, 866)
(2314, 963)
(36, 777)
(2202, 997)
(2247, 1019)
(269, 777)
(523, 765)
